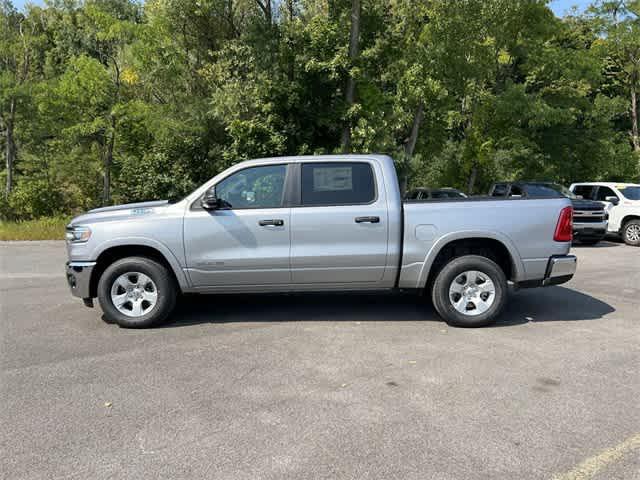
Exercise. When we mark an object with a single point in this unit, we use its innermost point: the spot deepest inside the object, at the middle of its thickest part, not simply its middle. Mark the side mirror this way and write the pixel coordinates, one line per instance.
(210, 201)
(614, 200)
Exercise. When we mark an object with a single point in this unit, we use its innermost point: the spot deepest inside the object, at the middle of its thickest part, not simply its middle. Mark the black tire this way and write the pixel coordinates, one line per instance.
(627, 235)
(165, 287)
(451, 271)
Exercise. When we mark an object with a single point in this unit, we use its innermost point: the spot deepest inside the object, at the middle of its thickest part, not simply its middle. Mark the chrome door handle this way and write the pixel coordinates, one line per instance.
(367, 219)
(271, 223)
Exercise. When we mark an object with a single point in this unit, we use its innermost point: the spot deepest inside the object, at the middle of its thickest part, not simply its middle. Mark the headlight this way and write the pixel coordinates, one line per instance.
(78, 234)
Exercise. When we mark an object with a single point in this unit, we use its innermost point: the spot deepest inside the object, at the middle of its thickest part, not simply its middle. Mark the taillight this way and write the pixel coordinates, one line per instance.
(564, 227)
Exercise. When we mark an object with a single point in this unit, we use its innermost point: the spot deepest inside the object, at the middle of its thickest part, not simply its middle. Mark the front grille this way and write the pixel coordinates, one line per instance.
(581, 216)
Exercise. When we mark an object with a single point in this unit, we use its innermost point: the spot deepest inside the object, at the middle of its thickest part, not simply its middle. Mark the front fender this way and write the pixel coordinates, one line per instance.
(146, 242)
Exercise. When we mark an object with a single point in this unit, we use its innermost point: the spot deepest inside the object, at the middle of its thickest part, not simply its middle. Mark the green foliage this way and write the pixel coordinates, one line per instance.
(51, 228)
(164, 94)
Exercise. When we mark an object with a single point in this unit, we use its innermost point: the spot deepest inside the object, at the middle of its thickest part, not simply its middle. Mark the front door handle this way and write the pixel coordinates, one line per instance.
(367, 219)
(271, 223)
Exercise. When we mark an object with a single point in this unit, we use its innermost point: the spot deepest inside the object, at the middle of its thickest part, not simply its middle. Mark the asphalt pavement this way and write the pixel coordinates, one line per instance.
(321, 386)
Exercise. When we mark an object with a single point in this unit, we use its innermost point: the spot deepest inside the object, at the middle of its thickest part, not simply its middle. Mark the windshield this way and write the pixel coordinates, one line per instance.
(631, 193)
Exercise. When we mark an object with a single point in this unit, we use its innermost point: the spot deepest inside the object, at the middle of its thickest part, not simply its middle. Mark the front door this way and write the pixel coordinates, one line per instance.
(339, 228)
(247, 243)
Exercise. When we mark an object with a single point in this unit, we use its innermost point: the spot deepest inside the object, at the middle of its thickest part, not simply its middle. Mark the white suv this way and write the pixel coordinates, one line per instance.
(621, 200)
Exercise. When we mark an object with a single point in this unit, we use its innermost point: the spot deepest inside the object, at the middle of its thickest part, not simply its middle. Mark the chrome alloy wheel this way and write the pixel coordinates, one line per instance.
(134, 294)
(472, 293)
(632, 232)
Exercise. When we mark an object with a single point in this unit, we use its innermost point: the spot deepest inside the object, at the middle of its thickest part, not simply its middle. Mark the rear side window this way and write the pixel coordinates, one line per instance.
(539, 190)
(584, 191)
(337, 183)
(516, 190)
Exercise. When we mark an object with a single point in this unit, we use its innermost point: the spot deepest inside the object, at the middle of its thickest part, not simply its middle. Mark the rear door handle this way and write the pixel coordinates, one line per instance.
(367, 219)
(271, 223)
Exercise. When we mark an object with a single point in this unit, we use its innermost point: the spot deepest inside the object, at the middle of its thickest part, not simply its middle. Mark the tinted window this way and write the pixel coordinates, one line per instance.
(632, 193)
(445, 194)
(540, 190)
(255, 187)
(414, 195)
(337, 183)
(516, 190)
(604, 192)
(584, 191)
(499, 190)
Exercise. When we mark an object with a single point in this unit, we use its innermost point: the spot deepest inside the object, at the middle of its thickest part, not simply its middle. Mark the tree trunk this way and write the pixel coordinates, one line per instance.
(472, 178)
(635, 136)
(410, 146)
(350, 92)
(11, 150)
(265, 6)
(108, 160)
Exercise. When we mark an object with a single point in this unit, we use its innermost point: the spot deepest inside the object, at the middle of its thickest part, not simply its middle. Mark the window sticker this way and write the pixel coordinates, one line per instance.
(332, 179)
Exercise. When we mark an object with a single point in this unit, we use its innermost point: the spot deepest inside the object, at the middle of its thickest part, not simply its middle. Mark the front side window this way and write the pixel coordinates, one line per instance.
(255, 187)
(604, 192)
(337, 183)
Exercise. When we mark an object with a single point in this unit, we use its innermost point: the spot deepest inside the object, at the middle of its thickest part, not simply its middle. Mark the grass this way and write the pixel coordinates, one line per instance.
(40, 229)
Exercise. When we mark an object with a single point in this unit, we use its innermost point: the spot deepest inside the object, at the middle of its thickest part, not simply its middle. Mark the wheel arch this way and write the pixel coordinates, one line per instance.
(626, 219)
(486, 244)
(112, 253)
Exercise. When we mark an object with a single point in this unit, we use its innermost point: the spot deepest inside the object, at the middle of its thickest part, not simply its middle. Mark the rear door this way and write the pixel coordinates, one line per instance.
(339, 224)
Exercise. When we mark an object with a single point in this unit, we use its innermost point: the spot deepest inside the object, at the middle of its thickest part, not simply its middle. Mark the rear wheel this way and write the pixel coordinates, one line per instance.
(136, 292)
(631, 233)
(469, 291)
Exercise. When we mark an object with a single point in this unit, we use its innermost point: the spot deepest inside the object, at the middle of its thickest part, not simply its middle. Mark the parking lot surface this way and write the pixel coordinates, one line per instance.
(322, 386)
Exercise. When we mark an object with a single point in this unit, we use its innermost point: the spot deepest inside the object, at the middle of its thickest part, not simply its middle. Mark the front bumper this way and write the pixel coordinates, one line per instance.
(79, 278)
(560, 269)
(589, 230)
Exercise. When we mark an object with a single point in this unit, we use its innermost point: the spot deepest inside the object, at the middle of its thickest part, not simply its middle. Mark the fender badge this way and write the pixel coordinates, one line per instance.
(141, 211)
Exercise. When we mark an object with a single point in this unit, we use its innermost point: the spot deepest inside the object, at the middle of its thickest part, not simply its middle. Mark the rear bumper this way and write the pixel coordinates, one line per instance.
(79, 278)
(560, 269)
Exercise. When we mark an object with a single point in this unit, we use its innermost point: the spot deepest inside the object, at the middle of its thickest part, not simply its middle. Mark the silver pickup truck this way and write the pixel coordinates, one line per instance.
(317, 223)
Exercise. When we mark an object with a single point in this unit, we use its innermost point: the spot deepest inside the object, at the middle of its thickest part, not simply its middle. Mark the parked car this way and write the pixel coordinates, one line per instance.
(622, 201)
(590, 218)
(424, 193)
(319, 223)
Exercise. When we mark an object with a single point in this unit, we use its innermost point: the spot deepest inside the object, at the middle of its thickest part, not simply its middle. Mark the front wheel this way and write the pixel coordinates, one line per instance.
(631, 233)
(136, 292)
(470, 291)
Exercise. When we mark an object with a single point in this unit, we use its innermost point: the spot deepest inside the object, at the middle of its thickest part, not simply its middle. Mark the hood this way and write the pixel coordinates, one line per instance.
(589, 205)
(127, 206)
(121, 212)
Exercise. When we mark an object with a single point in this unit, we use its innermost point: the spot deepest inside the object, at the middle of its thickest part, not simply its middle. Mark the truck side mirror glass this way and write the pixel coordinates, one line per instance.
(614, 200)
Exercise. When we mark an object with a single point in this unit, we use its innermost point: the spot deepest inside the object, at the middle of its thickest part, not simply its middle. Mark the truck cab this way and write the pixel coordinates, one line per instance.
(621, 201)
